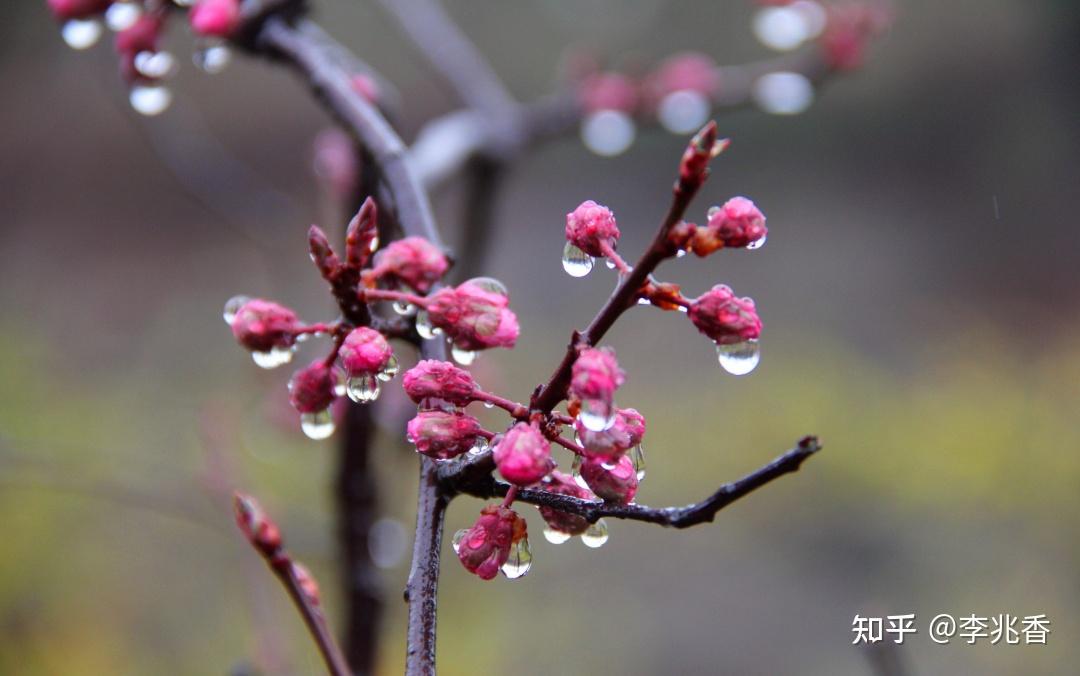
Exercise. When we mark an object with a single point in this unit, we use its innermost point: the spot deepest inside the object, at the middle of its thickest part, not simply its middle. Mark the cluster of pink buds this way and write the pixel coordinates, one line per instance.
(139, 26)
(474, 315)
(497, 542)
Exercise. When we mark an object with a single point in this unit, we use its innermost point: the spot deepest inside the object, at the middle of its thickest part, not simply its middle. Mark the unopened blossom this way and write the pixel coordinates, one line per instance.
(523, 455)
(214, 18)
(259, 528)
(263, 325)
(608, 91)
(365, 352)
(77, 9)
(308, 585)
(689, 71)
(485, 547)
(596, 374)
(322, 254)
(312, 388)
(589, 225)
(612, 482)
(434, 379)
(625, 432)
(474, 317)
(443, 434)
(736, 224)
(565, 522)
(722, 316)
(412, 261)
(704, 146)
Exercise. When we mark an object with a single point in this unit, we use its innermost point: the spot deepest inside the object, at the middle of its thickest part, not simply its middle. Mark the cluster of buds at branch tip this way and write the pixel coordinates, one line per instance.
(737, 224)
(705, 146)
(497, 542)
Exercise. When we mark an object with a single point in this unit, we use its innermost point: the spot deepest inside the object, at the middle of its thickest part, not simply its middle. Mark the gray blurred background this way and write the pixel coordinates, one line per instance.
(919, 291)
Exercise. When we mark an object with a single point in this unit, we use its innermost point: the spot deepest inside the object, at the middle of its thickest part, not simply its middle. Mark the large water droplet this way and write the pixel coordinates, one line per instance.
(739, 358)
(317, 425)
(211, 57)
(390, 370)
(757, 244)
(609, 263)
(458, 537)
(424, 326)
(684, 111)
(150, 99)
(781, 28)
(637, 457)
(491, 285)
(232, 306)
(596, 415)
(596, 535)
(155, 65)
(81, 33)
(363, 388)
(462, 356)
(783, 93)
(122, 15)
(276, 357)
(556, 537)
(575, 471)
(481, 445)
(608, 132)
(576, 262)
(520, 560)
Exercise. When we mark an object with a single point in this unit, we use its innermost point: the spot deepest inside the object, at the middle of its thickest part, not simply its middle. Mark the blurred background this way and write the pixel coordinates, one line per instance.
(919, 291)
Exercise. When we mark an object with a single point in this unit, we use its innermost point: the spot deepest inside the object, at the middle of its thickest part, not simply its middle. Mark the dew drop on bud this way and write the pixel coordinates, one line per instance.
(609, 263)
(390, 370)
(461, 356)
(680, 253)
(317, 425)
(374, 245)
(596, 535)
(211, 56)
(608, 132)
(757, 244)
(644, 301)
(458, 537)
(637, 457)
(232, 306)
(480, 446)
(362, 388)
(739, 358)
(684, 111)
(81, 33)
(404, 309)
(424, 326)
(491, 285)
(576, 262)
(575, 471)
(122, 15)
(150, 100)
(276, 357)
(520, 560)
(596, 415)
(556, 537)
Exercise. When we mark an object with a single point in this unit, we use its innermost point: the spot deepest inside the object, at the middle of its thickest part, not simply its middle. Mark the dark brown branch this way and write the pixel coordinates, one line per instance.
(313, 618)
(471, 479)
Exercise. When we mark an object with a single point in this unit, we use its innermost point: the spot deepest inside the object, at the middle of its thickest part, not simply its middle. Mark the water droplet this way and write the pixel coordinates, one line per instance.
(781, 28)
(81, 33)
(576, 262)
(596, 535)
(458, 537)
(683, 111)
(596, 415)
(390, 370)
(481, 445)
(122, 15)
(232, 306)
(150, 99)
(276, 357)
(757, 244)
(317, 425)
(363, 388)
(404, 309)
(783, 93)
(155, 65)
(424, 326)
(637, 457)
(608, 132)
(575, 471)
(520, 560)
(739, 358)
(211, 56)
(462, 356)
(609, 263)
(712, 212)
(488, 404)
(680, 253)
(374, 244)
(644, 301)
(491, 285)
(556, 537)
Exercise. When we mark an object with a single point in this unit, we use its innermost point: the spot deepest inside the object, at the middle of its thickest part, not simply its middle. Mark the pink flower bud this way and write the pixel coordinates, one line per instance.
(617, 484)
(625, 433)
(484, 548)
(589, 225)
(694, 167)
(259, 529)
(413, 261)
(523, 455)
(312, 388)
(433, 379)
(564, 522)
(596, 375)
(363, 231)
(608, 91)
(77, 9)
(474, 317)
(215, 18)
(262, 325)
(443, 434)
(738, 223)
(691, 71)
(308, 585)
(720, 315)
(322, 254)
(365, 352)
